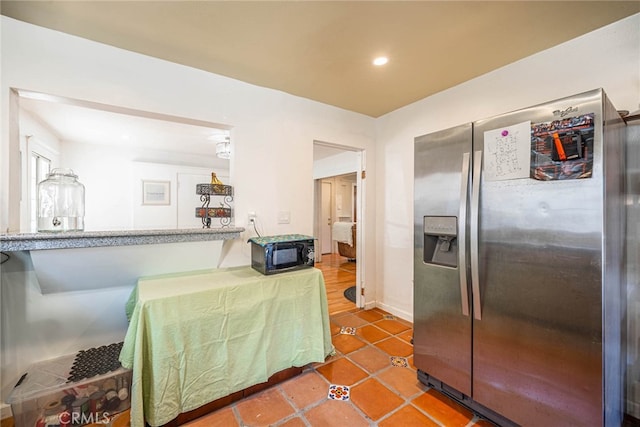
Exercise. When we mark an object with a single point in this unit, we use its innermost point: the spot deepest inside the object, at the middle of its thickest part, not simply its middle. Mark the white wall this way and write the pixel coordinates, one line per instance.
(340, 164)
(271, 168)
(607, 58)
(113, 176)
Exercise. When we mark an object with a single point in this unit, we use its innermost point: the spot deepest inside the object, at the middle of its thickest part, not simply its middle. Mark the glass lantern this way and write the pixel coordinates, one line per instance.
(61, 202)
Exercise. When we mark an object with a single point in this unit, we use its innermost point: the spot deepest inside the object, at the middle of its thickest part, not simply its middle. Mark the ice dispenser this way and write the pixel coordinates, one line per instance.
(441, 240)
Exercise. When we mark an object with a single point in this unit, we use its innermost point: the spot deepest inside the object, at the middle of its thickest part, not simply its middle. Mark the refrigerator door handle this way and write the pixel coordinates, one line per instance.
(475, 204)
(462, 233)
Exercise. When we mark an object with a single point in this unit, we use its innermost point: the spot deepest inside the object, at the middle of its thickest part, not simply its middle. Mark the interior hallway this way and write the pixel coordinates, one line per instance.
(373, 359)
(339, 274)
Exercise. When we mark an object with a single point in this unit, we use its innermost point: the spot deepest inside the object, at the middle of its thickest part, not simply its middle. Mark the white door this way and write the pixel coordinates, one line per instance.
(325, 218)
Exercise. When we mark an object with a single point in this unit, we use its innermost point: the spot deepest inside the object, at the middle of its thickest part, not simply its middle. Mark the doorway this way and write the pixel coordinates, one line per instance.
(338, 215)
(337, 219)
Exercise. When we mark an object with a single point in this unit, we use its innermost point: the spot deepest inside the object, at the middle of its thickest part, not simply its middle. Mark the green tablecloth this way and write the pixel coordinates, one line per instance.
(198, 336)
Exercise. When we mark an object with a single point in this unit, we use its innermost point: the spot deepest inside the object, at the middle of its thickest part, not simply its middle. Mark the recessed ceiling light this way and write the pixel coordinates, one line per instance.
(381, 60)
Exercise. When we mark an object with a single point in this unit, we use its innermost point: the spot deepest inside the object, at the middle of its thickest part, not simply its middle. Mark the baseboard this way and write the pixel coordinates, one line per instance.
(392, 310)
(5, 411)
(369, 305)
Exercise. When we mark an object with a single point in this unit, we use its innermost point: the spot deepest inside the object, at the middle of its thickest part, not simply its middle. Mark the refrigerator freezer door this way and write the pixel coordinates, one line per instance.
(442, 322)
(538, 346)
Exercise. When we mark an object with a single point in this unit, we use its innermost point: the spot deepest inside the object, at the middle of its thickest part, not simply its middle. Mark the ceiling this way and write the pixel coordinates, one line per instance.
(323, 50)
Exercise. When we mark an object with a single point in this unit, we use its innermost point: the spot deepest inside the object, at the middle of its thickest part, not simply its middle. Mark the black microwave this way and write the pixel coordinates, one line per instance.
(278, 254)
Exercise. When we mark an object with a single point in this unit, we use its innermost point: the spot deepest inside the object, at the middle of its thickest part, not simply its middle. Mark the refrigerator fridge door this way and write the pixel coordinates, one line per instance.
(537, 347)
(442, 322)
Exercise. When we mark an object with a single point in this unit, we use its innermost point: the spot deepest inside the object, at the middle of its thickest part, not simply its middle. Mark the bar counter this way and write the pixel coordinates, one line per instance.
(88, 239)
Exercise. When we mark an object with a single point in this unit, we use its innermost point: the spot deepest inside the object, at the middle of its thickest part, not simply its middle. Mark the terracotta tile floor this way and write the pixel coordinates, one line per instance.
(380, 394)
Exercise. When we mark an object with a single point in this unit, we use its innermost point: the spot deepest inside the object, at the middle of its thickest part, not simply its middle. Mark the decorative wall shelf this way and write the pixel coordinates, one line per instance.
(87, 239)
(223, 212)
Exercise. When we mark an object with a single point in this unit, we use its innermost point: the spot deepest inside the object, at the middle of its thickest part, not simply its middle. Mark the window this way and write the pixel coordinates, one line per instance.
(40, 167)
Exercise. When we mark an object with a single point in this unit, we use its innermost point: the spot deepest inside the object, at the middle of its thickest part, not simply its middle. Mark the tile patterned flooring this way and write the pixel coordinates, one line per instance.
(370, 363)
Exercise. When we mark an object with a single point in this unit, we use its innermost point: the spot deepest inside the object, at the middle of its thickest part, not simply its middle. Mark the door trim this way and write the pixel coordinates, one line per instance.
(360, 215)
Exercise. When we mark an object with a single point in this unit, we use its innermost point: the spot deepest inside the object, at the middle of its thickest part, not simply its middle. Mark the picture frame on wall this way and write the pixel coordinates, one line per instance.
(156, 193)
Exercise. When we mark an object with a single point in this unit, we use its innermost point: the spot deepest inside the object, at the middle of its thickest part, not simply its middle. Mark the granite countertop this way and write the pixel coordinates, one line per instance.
(87, 239)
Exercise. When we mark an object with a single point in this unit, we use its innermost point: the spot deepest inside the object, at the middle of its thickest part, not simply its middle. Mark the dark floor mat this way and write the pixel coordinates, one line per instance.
(350, 294)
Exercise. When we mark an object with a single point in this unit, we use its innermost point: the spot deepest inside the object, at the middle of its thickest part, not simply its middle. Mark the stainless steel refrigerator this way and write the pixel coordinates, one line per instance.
(519, 261)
